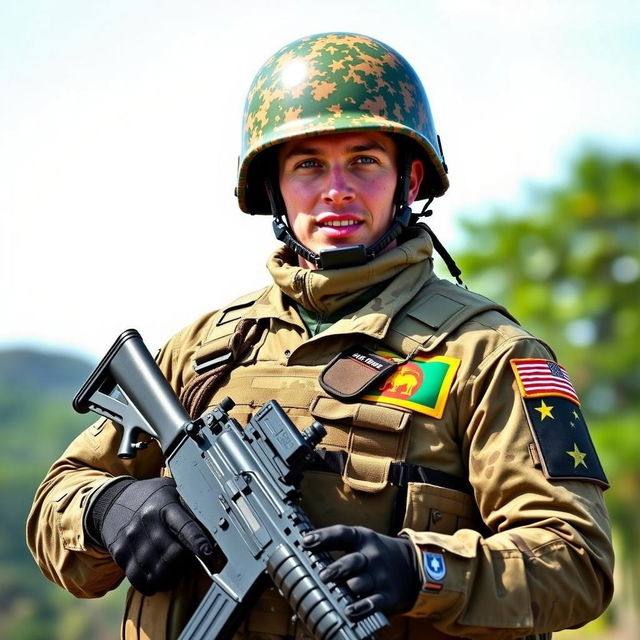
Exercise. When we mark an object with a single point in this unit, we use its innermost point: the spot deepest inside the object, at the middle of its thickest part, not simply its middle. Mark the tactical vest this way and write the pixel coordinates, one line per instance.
(367, 443)
(362, 476)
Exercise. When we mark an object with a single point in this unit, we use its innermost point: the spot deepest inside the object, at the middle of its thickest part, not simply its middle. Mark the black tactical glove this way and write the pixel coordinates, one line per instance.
(382, 572)
(147, 531)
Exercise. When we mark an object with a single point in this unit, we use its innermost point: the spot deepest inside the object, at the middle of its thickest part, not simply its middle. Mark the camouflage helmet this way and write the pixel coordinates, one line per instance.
(334, 83)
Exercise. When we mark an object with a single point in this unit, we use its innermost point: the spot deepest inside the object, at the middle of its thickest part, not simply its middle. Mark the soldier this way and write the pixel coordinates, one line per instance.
(457, 478)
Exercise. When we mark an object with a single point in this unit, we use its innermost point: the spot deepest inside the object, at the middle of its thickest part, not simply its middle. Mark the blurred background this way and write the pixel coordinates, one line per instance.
(119, 134)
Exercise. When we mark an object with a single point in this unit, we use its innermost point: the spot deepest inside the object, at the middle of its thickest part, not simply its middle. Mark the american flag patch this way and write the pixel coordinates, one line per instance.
(536, 378)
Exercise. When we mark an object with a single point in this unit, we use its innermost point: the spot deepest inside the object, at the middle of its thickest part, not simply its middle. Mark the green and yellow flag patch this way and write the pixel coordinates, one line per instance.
(422, 384)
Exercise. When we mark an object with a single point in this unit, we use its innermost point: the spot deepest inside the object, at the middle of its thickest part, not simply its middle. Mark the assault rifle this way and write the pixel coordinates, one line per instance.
(240, 483)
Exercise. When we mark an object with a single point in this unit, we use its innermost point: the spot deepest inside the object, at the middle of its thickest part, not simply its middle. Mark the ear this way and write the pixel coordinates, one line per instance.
(415, 180)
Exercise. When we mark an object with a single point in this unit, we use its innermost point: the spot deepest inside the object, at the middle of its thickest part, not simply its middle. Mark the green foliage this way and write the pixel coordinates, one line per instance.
(36, 424)
(569, 269)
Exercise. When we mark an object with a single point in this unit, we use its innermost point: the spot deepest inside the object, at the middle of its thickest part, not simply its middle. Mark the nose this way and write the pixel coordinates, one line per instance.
(337, 189)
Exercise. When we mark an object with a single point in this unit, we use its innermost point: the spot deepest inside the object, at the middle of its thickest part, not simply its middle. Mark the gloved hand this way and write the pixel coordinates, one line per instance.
(382, 572)
(147, 531)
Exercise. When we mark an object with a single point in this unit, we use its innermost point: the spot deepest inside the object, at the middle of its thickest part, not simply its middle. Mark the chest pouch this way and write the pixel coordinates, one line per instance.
(377, 436)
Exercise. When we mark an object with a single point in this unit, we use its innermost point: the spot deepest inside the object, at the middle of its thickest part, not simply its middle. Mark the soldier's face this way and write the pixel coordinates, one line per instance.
(338, 189)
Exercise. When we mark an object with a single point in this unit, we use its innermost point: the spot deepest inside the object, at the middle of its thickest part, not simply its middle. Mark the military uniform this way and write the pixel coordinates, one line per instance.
(508, 549)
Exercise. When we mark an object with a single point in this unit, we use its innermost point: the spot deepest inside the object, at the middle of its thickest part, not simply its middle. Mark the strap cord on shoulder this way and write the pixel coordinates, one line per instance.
(199, 389)
(454, 269)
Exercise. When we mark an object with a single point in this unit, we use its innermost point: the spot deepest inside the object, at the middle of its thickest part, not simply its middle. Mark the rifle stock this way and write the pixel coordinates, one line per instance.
(128, 387)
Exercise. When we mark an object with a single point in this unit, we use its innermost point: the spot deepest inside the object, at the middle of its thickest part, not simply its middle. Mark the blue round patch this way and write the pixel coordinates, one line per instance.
(434, 565)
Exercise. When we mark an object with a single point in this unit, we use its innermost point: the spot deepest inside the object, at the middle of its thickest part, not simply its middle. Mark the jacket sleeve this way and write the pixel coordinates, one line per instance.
(547, 563)
(55, 533)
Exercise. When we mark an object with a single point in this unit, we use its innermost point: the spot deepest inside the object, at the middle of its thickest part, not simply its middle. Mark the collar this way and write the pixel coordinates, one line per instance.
(326, 291)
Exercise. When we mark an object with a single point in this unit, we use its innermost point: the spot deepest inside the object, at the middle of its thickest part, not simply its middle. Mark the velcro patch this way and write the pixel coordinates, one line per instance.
(434, 565)
(353, 371)
(422, 384)
(562, 439)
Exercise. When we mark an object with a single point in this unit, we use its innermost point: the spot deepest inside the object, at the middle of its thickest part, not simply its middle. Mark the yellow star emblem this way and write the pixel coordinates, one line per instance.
(578, 456)
(575, 414)
(545, 411)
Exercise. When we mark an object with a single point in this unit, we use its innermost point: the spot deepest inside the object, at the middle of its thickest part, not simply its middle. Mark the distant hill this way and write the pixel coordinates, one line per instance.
(42, 371)
(36, 417)
(37, 423)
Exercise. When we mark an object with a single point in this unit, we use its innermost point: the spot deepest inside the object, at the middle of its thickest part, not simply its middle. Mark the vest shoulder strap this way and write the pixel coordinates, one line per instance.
(228, 336)
(438, 310)
(217, 343)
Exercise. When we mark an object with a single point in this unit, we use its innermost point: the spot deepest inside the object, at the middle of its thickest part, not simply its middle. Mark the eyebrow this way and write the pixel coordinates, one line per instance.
(356, 148)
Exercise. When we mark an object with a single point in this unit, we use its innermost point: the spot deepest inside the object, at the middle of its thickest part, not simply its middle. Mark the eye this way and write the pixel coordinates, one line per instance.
(366, 160)
(308, 164)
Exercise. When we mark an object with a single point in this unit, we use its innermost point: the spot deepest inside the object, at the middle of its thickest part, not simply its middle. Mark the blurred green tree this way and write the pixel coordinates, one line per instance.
(568, 267)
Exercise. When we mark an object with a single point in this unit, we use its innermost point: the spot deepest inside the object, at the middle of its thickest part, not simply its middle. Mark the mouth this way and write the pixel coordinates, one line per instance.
(340, 223)
(337, 226)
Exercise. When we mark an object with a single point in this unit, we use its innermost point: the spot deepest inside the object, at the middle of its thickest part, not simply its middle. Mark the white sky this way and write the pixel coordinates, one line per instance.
(120, 121)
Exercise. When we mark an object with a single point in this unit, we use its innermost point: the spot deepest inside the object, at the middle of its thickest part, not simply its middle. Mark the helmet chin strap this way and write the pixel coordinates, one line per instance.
(358, 254)
(340, 257)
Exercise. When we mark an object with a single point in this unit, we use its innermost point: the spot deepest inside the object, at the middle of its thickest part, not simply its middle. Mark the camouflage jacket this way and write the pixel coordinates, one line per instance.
(521, 546)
